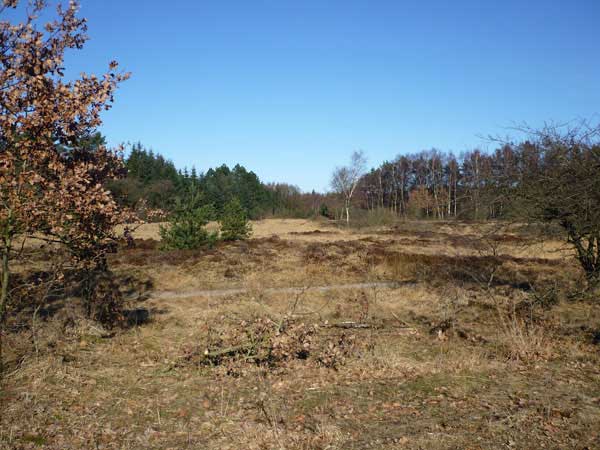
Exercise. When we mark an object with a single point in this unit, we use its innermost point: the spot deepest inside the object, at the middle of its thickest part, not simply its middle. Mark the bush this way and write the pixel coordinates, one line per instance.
(324, 211)
(187, 225)
(380, 217)
(234, 222)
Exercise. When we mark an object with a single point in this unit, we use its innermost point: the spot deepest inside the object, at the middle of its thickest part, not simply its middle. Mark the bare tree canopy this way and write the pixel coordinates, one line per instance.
(559, 181)
(346, 179)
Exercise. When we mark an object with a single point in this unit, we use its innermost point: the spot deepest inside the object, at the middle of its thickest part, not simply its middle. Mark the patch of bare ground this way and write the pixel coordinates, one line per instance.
(484, 350)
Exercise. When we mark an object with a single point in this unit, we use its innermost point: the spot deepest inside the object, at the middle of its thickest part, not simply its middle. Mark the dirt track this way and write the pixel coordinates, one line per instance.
(168, 295)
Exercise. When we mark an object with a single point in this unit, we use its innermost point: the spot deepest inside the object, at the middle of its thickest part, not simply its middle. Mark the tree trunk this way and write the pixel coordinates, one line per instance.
(347, 212)
(455, 195)
(402, 199)
(5, 280)
(449, 210)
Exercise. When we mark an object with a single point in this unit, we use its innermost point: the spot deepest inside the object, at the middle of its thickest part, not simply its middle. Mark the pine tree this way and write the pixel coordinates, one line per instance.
(187, 225)
(234, 222)
(194, 177)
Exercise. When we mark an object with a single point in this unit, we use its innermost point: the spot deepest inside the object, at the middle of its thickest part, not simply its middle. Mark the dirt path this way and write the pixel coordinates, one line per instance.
(170, 295)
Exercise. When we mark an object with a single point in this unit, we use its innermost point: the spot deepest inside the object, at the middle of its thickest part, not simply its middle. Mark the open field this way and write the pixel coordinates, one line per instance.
(424, 335)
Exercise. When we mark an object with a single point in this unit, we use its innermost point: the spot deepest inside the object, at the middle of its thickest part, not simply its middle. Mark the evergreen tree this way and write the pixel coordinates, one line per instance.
(234, 222)
(187, 225)
(155, 179)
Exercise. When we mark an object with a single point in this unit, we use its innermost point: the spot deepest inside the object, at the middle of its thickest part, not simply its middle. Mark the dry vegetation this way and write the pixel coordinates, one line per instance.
(479, 343)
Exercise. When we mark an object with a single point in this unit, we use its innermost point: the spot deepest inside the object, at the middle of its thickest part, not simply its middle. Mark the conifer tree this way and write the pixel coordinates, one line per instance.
(234, 222)
(187, 225)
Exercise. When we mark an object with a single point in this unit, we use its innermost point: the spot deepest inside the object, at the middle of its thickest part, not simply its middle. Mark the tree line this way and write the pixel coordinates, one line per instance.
(475, 185)
(154, 179)
(551, 175)
(440, 185)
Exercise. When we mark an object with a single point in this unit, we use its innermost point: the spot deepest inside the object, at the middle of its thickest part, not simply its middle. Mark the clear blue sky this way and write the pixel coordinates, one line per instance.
(290, 88)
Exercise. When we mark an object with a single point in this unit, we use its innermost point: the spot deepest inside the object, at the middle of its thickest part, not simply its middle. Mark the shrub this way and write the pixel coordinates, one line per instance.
(187, 225)
(561, 185)
(380, 217)
(324, 211)
(234, 222)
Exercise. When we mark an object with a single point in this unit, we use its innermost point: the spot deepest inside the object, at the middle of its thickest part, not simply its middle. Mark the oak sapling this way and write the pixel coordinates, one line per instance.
(51, 180)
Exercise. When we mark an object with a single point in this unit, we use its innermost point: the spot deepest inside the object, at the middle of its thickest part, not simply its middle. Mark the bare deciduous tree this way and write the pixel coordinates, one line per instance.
(560, 183)
(345, 179)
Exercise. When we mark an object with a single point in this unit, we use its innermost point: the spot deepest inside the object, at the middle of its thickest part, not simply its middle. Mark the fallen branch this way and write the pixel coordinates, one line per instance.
(230, 351)
(349, 325)
(402, 323)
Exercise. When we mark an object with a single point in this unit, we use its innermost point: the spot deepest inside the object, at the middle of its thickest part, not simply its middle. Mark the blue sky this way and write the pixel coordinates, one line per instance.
(290, 88)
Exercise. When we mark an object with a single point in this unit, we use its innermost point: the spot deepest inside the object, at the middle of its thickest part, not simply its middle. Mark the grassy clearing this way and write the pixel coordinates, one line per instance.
(450, 361)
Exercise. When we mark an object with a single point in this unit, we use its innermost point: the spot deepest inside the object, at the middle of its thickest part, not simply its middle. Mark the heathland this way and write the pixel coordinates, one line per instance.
(309, 335)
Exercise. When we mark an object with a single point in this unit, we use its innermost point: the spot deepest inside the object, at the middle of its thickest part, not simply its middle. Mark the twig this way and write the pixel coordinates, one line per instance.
(349, 325)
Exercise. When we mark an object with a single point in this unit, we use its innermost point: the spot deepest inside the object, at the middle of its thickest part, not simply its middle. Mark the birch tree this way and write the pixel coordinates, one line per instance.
(346, 179)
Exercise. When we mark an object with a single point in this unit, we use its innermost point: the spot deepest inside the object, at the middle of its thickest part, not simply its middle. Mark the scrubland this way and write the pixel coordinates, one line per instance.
(421, 335)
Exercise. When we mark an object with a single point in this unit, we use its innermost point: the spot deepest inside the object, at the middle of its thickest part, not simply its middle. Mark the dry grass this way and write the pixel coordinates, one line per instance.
(443, 362)
(290, 228)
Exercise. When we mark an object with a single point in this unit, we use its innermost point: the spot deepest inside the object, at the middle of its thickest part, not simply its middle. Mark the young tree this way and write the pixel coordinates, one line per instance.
(234, 222)
(345, 180)
(52, 168)
(187, 225)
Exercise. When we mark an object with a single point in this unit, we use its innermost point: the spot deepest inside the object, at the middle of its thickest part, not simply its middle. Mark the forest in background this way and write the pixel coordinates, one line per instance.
(155, 179)
(431, 184)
